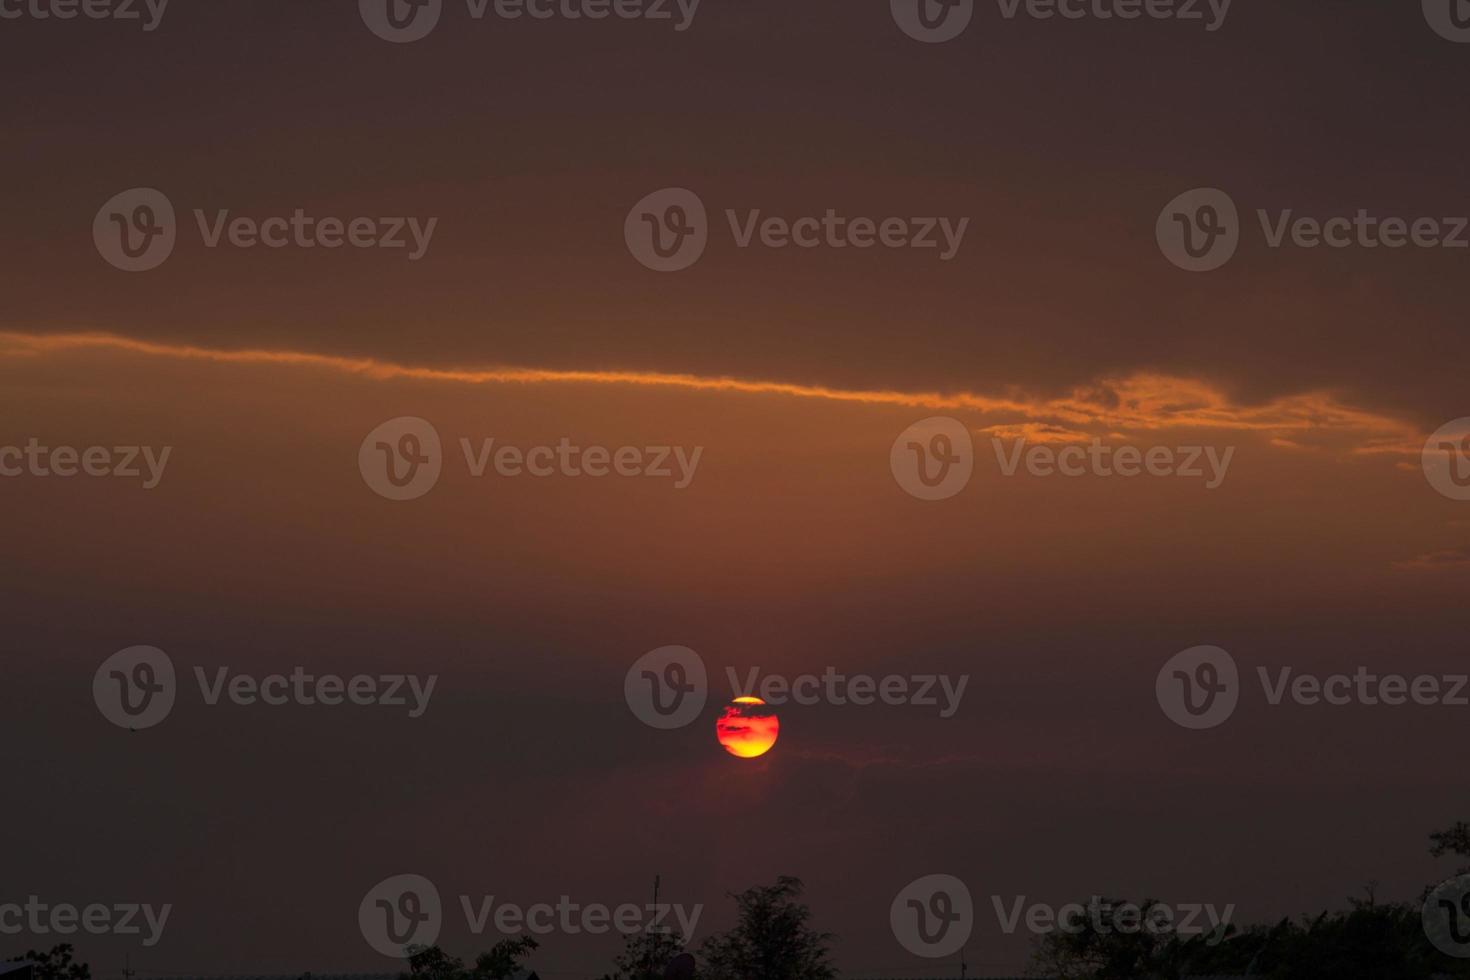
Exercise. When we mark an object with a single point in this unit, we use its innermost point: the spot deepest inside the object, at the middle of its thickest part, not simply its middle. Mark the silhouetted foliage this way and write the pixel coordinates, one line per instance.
(500, 963)
(57, 964)
(771, 939)
(1367, 941)
(1454, 841)
(645, 955)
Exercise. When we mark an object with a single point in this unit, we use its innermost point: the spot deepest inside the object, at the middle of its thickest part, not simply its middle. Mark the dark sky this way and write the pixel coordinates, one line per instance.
(794, 550)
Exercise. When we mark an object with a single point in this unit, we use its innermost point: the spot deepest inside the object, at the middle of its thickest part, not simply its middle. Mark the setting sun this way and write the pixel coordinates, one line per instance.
(747, 728)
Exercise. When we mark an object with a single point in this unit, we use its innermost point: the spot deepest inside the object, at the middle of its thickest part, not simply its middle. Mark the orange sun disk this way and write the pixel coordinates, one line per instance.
(747, 728)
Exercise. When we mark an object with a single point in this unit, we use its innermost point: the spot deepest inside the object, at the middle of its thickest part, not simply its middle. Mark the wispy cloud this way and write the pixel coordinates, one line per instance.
(1108, 408)
(1446, 560)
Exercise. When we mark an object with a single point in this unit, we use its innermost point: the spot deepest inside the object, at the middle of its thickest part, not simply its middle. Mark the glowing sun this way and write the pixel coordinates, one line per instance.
(747, 728)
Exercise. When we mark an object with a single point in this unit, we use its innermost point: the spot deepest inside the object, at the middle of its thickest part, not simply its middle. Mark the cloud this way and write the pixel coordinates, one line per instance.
(1109, 407)
(1447, 560)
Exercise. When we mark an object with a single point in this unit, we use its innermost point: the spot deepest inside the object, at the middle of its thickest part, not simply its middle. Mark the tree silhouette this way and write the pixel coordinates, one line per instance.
(645, 955)
(1370, 940)
(57, 964)
(500, 963)
(771, 939)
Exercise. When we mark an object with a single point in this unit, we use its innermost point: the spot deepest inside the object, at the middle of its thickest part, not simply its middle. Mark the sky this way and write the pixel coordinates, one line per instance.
(771, 391)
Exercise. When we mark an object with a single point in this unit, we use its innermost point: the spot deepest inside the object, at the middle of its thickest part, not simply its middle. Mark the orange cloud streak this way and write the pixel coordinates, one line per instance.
(1143, 401)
